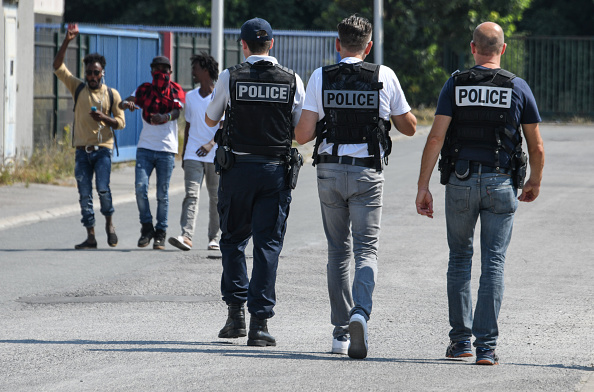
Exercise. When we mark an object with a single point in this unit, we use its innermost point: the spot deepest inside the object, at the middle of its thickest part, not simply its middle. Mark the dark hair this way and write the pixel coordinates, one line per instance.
(258, 47)
(354, 33)
(93, 58)
(208, 63)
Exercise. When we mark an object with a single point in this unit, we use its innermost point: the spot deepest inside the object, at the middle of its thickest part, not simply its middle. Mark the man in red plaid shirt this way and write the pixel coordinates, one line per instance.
(161, 102)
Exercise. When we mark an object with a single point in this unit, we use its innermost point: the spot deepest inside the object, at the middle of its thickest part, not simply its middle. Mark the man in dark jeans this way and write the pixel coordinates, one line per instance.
(254, 194)
(92, 136)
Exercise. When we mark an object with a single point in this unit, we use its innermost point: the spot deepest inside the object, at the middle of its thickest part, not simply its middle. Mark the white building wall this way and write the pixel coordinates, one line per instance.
(20, 139)
(49, 7)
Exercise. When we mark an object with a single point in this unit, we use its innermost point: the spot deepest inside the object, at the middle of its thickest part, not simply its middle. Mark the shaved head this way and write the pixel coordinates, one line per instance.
(488, 39)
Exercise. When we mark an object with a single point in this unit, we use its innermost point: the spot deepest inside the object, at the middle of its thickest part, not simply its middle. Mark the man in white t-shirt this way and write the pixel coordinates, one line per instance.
(161, 102)
(354, 101)
(198, 155)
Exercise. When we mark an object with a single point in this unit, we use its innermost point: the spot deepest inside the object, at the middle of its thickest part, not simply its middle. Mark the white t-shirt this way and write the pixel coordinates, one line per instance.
(160, 137)
(200, 133)
(221, 92)
(392, 103)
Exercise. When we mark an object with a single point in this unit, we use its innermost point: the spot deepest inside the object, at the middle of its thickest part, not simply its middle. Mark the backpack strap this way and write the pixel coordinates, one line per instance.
(77, 93)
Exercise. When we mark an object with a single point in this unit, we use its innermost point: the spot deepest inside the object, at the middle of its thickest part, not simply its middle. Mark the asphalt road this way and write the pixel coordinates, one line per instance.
(130, 319)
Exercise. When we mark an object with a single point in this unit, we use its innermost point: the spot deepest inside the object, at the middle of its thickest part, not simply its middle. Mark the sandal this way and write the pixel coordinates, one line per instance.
(86, 245)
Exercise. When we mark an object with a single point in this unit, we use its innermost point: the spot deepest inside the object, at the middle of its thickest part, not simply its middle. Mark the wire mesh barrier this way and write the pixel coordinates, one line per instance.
(560, 70)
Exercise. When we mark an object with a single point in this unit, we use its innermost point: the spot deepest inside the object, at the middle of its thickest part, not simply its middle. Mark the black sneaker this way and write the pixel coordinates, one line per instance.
(459, 349)
(147, 232)
(486, 356)
(159, 241)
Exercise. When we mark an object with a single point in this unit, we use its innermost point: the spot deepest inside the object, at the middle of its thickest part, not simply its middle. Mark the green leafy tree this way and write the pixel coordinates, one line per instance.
(553, 17)
(147, 12)
(418, 34)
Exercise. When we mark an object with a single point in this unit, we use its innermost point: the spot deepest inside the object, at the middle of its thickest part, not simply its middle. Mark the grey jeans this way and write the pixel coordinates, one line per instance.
(194, 173)
(351, 202)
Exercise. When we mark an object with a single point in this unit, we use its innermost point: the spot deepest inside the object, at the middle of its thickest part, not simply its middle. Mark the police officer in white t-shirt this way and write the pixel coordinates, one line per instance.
(353, 102)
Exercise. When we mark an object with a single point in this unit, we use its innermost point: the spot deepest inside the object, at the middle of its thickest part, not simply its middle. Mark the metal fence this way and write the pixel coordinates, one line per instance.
(559, 70)
(127, 54)
(302, 51)
(129, 50)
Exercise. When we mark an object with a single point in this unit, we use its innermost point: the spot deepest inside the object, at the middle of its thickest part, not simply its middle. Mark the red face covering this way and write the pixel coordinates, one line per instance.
(161, 81)
(160, 96)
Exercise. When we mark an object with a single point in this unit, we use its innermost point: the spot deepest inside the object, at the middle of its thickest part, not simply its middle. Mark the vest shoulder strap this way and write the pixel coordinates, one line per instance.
(498, 76)
(238, 66)
(283, 68)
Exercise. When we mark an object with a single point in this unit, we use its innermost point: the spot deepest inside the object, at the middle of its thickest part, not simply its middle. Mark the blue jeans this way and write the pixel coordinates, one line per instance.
(85, 165)
(351, 202)
(254, 200)
(491, 197)
(163, 163)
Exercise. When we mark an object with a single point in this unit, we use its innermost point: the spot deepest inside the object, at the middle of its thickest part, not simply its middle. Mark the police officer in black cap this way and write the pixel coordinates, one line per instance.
(263, 101)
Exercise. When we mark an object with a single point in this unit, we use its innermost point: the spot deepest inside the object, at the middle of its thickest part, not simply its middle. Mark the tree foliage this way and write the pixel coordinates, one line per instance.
(552, 17)
(418, 34)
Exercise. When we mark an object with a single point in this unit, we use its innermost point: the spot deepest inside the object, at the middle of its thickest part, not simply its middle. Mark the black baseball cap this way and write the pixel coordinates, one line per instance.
(161, 60)
(256, 29)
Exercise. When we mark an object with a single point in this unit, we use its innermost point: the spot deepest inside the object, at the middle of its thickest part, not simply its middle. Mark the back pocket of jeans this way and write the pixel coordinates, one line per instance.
(503, 199)
(458, 197)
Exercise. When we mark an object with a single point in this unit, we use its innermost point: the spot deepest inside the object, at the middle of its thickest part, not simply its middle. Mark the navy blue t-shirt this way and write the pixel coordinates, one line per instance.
(523, 105)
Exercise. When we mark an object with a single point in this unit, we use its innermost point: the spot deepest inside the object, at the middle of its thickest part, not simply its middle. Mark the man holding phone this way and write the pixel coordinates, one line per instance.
(92, 136)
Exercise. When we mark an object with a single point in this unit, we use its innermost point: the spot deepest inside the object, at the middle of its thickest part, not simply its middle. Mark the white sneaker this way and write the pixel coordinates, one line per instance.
(358, 332)
(213, 245)
(181, 242)
(340, 345)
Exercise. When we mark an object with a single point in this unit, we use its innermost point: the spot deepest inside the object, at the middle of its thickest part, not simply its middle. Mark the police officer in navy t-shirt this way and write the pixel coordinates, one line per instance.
(480, 118)
(263, 103)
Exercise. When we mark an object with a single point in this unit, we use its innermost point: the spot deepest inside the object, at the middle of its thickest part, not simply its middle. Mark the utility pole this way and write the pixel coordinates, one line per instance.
(216, 32)
(378, 31)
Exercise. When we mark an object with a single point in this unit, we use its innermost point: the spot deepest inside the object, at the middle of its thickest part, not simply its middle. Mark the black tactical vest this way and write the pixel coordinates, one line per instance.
(350, 94)
(259, 119)
(483, 129)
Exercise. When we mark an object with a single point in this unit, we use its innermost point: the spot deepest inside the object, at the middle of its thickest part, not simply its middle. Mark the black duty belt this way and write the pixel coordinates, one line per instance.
(474, 168)
(347, 160)
(258, 159)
